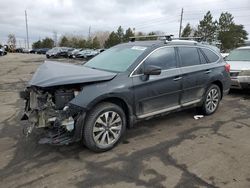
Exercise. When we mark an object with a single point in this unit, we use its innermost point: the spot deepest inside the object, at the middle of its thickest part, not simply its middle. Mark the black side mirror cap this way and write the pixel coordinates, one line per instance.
(152, 70)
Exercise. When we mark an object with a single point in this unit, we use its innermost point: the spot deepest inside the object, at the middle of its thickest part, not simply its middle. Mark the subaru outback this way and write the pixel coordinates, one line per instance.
(96, 102)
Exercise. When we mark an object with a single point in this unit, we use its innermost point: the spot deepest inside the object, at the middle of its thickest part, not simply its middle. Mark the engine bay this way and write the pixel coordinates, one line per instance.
(50, 109)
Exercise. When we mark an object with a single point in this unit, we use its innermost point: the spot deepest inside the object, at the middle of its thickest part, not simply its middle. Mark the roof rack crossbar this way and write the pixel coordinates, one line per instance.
(198, 39)
(166, 37)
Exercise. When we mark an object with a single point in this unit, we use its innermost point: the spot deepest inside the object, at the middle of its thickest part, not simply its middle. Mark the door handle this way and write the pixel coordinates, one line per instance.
(177, 78)
(208, 71)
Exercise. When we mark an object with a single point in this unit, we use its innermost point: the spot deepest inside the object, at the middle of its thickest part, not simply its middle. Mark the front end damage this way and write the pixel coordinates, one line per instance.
(51, 111)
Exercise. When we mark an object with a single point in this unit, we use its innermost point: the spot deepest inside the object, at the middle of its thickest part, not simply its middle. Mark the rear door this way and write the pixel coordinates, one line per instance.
(194, 74)
(159, 92)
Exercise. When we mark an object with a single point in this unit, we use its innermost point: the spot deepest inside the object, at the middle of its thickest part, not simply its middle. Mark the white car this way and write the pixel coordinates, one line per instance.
(239, 61)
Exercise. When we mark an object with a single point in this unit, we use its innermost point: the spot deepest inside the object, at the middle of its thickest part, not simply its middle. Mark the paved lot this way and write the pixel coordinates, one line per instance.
(171, 151)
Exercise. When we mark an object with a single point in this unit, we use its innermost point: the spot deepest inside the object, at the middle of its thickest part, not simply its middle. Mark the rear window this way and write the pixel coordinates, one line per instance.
(211, 56)
(239, 55)
(189, 56)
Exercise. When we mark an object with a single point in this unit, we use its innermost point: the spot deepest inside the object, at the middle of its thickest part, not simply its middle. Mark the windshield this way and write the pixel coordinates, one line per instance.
(116, 59)
(239, 55)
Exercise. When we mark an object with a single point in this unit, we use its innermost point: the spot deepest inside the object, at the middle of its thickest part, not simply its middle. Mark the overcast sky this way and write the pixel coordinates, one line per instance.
(75, 16)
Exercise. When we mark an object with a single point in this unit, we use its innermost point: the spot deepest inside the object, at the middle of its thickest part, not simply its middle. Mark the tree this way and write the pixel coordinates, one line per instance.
(64, 42)
(96, 43)
(120, 33)
(47, 43)
(112, 40)
(128, 33)
(12, 42)
(186, 31)
(207, 28)
(152, 33)
(88, 43)
(37, 44)
(230, 34)
(79, 43)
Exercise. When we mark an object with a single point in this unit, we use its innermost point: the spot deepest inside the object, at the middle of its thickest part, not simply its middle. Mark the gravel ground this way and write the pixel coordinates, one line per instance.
(171, 151)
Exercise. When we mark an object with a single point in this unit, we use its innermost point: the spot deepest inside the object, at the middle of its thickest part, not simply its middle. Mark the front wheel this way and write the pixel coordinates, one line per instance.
(105, 125)
(212, 100)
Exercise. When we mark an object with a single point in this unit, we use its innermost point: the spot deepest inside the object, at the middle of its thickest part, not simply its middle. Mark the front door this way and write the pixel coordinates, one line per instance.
(158, 93)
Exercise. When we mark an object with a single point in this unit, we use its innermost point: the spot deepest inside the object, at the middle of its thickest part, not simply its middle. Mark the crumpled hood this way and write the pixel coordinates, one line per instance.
(53, 73)
(239, 65)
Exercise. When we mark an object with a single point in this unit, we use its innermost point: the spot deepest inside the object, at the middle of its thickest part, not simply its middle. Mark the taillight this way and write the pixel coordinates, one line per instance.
(227, 67)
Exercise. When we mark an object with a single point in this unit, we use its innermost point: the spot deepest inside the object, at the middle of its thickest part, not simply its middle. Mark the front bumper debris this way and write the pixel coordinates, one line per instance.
(59, 124)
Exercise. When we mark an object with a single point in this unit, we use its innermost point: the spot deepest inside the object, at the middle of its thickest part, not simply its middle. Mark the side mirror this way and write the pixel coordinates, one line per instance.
(152, 70)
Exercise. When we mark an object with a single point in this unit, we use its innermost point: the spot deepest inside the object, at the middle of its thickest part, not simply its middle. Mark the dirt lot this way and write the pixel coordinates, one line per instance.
(171, 151)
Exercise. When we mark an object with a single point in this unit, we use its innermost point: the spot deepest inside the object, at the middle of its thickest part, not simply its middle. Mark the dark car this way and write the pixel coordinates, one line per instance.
(58, 52)
(130, 82)
(86, 54)
(39, 50)
(34, 51)
(2, 52)
(19, 50)
(42, 50)
(71, 54)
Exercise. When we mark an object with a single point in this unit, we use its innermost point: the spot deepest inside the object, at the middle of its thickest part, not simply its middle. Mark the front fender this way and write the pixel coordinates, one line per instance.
(94, 93)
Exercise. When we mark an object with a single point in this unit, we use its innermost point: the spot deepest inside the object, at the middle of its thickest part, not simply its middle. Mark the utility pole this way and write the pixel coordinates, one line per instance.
(27, 32)
(181, 23)
(55, 38)
(89, 31)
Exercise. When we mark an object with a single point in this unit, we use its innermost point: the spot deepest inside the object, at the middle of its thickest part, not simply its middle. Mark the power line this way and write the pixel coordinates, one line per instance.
(155, 20)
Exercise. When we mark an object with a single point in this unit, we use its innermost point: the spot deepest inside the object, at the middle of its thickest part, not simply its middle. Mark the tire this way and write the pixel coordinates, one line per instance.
(211, 100)
(99, 134)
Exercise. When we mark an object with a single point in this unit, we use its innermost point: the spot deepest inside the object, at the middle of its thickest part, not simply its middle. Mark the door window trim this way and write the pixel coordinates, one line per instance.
(208, 62)
(144, 59)
(177, 58)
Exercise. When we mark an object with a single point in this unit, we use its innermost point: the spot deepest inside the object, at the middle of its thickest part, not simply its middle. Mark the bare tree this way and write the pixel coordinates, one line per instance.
(12, 42)
(102, 36)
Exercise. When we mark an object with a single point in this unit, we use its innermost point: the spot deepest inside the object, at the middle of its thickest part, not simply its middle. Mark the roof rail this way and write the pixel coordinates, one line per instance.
(165, 37)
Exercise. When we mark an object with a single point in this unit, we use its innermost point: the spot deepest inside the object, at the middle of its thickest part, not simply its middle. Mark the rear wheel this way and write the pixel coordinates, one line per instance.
(105, 125)
(211, 100)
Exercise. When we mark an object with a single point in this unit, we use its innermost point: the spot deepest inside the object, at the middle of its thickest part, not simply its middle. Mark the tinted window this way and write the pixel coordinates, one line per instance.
(164, 58)
(202, 58)
(189, 56)
(211, 56)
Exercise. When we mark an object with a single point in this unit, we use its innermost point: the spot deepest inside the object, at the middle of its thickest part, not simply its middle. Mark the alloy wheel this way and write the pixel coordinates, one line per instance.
(212, 100)
(107, 129)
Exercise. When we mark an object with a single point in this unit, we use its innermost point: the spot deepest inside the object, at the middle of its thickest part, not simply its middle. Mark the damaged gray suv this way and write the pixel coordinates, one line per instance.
(96, 102)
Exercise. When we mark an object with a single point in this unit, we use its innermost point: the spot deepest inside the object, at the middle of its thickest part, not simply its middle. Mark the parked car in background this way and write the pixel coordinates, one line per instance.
(34, 50)
(27, 51)
(87, 54)
(224, 55)
(2, 52)
(58, 52)
(71, 54)
(130, 82)
(42, 50)
(239, 60)
(19, 50)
